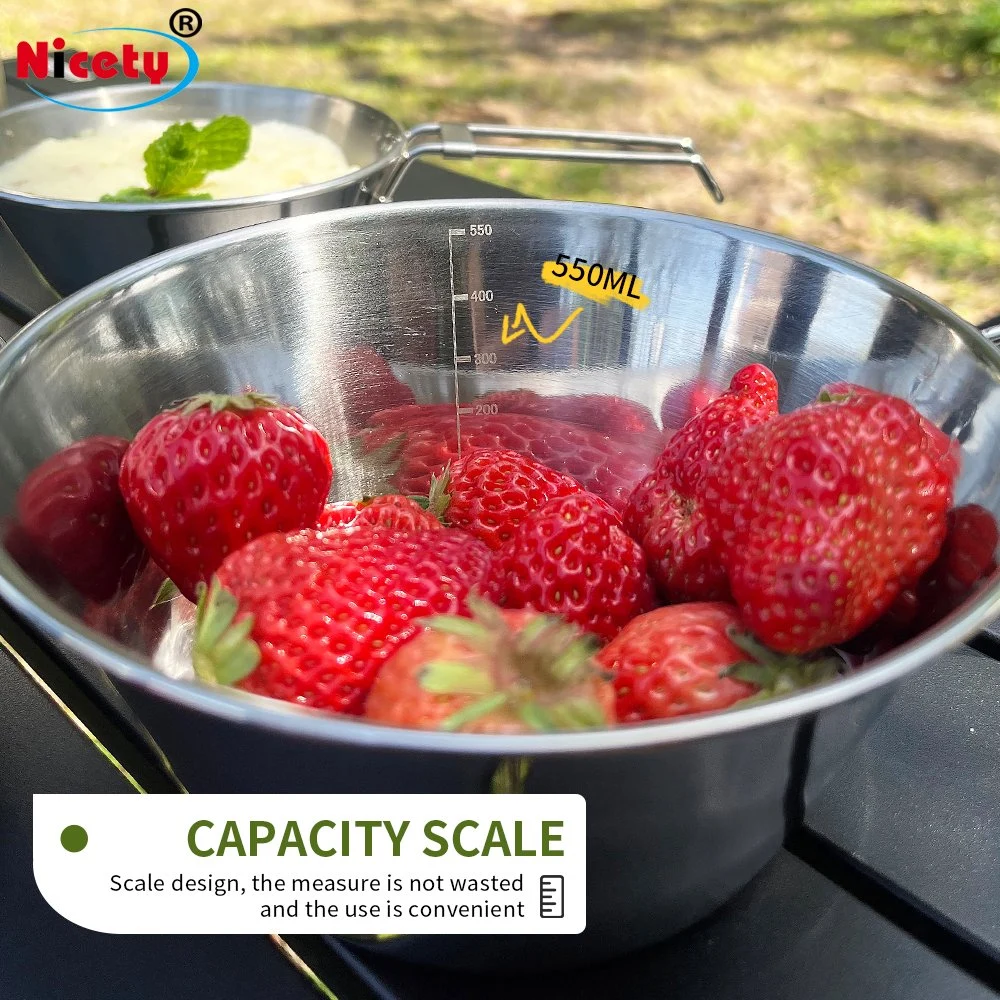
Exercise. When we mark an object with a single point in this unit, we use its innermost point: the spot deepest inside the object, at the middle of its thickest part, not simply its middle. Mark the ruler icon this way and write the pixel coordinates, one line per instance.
(552, 892)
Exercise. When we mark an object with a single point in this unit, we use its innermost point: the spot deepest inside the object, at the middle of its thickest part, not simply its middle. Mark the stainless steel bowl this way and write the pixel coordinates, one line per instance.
(680, 815)
(74, 243)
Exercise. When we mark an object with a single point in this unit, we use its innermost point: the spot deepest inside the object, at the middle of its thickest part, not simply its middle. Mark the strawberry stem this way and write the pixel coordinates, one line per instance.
(223, 651)
(534, 669)
(217, 402)
(775, 674)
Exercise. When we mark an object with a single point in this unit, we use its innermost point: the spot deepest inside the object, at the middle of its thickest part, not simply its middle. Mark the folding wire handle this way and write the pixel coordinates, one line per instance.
(458, 141)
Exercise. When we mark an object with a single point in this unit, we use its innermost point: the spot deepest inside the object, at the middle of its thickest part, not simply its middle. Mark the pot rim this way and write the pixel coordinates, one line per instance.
(45, 614)
(173, 207)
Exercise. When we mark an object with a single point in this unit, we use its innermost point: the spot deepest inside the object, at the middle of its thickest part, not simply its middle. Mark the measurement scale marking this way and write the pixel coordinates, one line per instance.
(466, 410)
(464, 359)
(454, 335)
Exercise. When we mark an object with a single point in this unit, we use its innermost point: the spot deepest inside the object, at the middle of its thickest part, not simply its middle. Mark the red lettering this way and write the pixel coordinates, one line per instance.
(104, 65)
(33, 60)
(155, 65)
(78, 65)
(129, 55)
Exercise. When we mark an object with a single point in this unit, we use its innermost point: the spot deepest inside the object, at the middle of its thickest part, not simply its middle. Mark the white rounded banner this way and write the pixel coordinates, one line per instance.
(336, 864)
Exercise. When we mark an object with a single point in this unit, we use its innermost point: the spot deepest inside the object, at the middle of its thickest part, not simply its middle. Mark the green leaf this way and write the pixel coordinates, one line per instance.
(204, 196)
(179, 160)
(142, 195)
(129, 194)
(224, 142)
(173, 162)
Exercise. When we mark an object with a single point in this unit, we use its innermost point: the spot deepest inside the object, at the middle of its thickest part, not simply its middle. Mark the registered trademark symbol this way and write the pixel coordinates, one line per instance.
(185, 22)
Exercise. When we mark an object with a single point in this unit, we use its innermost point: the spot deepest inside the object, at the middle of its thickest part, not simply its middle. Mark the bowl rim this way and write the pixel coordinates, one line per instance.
(65, 629)
(172, 207)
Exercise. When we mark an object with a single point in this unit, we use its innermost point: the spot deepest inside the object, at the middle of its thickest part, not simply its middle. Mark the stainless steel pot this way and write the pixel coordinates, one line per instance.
(74, 243)
(680, 815)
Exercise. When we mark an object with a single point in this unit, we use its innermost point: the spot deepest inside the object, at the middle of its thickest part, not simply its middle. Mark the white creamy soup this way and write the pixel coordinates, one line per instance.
(102, 161)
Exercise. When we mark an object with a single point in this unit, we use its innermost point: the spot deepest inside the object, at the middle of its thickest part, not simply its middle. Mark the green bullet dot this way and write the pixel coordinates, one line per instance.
(74, 839)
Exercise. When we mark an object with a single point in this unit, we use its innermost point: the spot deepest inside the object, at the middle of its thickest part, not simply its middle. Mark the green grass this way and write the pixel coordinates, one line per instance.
(869, 127)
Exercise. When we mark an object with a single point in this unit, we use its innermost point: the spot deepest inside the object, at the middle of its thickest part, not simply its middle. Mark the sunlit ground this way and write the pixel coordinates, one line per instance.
(837, 122)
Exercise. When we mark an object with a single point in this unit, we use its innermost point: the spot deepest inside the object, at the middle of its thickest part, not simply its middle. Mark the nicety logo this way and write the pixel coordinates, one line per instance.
(104, 64)
(55, 59)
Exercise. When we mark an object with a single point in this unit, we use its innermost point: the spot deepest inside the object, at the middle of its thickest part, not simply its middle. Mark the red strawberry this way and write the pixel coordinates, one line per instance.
(571, 557)
(609, 467)
(402, 416)
(608, 414)
(685, 401)
(502, 672)
(131, 617)
(337, 515)
(490, 491)
(206, 477)
(968, 550)
(71, 511)
(367, 384)
(389, 511)
(665, 512)
(310, 617)
(965, 561)
(825, 515)
(697, 657)
(25, 553)
(945, 449)
(671, 662)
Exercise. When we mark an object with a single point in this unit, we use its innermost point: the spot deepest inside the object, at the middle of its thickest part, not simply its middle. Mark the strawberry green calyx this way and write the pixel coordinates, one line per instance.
(167, 592)
(776, 674)
(489, 703)
(830, 397)
(217, 402)
(438, 498)
(536, 674)
(510, 776)
(223, 651)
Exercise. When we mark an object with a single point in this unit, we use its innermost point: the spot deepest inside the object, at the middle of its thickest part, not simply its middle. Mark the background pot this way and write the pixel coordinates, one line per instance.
(74, 243)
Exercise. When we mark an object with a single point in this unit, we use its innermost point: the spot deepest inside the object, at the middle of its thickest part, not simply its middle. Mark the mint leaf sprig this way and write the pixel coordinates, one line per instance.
(179, 160)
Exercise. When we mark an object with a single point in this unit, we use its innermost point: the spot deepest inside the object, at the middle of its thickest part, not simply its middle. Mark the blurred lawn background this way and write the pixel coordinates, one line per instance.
(868, 127)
